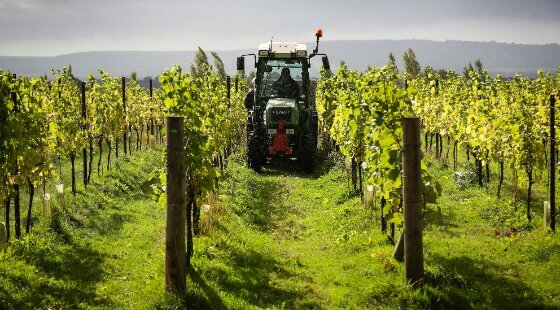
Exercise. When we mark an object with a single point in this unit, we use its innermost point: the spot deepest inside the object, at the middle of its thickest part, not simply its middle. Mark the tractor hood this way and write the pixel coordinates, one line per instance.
(281, 108)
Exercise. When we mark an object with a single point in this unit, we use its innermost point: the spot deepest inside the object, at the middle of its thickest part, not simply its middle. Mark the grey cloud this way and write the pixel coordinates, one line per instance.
(230, 24)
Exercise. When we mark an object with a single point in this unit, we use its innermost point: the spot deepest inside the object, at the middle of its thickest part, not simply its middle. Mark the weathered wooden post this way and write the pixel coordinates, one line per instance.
(3, 237)
(151, 116)
(175, 252)
(123, 81)
(84, 129)
(17, 216)
(228, 85)
(552, 165)
(413, 204)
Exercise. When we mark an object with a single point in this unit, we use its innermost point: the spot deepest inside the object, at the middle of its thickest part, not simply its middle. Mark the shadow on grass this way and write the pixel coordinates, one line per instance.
(64, 276)
(58, 266)
(519, 195)
(283, 166)
(49, 294)
(67, 270)
(465, 283)
(209, 299)
(110, 224)
(95, 218)
(445, 221)
(248, 275)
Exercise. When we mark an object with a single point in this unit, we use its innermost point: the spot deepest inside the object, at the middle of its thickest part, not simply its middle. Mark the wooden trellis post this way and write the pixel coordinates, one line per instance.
(175, 251)
(413, 203)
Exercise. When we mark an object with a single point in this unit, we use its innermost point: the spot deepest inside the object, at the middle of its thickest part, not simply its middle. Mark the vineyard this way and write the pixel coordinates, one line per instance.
(47, 121)
(492, 119)
(282, 237)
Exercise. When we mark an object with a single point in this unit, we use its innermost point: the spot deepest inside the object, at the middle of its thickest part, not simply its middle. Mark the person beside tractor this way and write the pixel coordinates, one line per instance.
(286, 86)
(250, 97)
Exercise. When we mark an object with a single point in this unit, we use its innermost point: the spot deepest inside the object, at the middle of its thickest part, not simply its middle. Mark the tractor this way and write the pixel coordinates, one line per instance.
(283, 121)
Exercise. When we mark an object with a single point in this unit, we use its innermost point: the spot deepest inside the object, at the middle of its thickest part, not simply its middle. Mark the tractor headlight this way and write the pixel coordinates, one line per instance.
(272, 131)
(301, 53)
(290, 131)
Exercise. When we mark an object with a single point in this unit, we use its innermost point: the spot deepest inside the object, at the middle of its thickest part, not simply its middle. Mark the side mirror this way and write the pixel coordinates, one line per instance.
(326, 64)
(241, 63)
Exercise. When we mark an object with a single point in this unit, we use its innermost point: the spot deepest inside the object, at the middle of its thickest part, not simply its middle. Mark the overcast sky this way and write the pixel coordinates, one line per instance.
(53, 27)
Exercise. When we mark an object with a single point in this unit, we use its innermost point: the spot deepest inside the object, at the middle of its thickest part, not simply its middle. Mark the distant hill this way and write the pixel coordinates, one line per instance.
(504, 58)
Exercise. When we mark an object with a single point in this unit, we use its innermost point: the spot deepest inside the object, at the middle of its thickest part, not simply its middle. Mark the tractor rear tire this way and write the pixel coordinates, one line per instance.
(255, 156)
(308, 150)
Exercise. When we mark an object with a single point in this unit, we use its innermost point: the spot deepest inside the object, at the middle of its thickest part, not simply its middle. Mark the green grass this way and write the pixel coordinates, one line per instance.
(103, 247)
(281, 239)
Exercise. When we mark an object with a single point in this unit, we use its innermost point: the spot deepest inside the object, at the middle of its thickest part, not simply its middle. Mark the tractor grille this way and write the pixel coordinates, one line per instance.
(283, 113)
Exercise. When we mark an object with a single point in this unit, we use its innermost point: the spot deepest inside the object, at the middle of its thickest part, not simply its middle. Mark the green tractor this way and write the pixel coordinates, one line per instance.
(282, 120)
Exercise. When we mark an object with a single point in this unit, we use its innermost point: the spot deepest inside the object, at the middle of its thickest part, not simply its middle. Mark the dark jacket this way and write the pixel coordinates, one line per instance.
(250, 99)
(290, 88)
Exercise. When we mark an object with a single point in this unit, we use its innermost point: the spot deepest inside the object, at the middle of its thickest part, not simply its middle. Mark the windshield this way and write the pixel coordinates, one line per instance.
(273, 84)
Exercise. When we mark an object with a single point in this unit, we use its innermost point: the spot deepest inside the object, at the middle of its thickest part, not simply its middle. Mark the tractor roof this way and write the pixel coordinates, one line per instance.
(283, 50)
